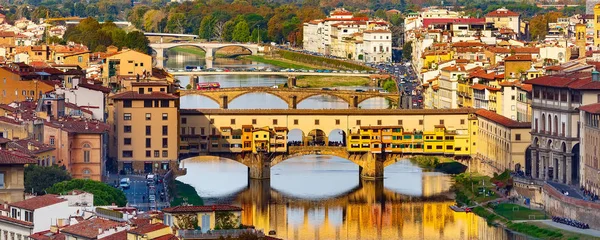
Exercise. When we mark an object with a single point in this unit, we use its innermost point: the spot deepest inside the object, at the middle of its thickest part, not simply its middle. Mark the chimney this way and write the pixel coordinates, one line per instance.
(595, 76)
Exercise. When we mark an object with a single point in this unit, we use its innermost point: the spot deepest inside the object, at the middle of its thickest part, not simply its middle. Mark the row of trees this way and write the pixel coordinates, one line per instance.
(97, 37)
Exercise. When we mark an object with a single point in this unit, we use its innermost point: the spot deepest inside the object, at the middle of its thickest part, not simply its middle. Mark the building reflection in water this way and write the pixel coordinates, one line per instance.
(371, 210)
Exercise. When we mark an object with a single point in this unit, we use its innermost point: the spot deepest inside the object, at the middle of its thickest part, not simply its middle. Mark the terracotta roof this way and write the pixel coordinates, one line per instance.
(23, 145)
(526, 87)
(377, 31)
(144, 229)
(167, 237)
(591, 108)
(95, 87)
(577, 80)
(518, 58)
(12, 220)
(7, 34)
(482, 74)
(468, 44)
(502, 12)
(208, 208)
(4, 140)
(9, 120)
(7, 108)
(92, 228)
(502, 120)
(454, 68)
(11, 157)
(38, 202)
(478, 86)
(47, 235)
(117, 236)
(136, 96)
(79, 126)
(435, 87)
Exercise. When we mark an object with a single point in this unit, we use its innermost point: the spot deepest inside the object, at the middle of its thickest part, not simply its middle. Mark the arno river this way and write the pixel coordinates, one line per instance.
(322, 197)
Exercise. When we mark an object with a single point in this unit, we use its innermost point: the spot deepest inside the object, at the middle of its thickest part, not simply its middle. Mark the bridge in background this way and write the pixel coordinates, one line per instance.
(339, 74)
(292, 96)
(150, 34)
(209, 47)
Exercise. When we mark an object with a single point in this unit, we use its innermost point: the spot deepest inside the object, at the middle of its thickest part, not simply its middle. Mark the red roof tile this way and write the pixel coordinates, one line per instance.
(11, 157)
(591, 108)
(576, 80)
(208, 208)
(79, 126)
(47, 235)
(117, 236)
(90, 228)
(136, 96)
(167, 237)
(478, 86)
(12, 220)
(144, 229)
(502, 120)
(38, 202)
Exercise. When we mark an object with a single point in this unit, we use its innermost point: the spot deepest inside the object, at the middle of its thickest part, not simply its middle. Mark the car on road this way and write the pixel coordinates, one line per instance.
(125, 183)
(359, 90)
(151, 178)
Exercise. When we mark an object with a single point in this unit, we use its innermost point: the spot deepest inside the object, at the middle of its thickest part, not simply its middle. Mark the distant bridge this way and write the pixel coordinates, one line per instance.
(292, 96)
(209, 47)
(149, 34)
(272, 73)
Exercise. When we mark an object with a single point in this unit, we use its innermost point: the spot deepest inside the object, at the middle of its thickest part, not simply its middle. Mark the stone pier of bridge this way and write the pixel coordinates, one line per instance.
(371, 165)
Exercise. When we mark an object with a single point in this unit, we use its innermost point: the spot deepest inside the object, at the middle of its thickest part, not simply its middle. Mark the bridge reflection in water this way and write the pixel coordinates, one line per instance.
(367, 210)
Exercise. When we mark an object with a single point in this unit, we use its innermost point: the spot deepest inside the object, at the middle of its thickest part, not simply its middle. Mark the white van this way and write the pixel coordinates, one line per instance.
(125, 183)
(150, 178)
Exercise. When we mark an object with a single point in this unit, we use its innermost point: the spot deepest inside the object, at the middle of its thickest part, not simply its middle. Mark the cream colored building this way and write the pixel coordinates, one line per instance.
(146, 128)
(590, 139)
(12, 175)
(448, 84)
(504, 18)
(502, 142)
(126, 63)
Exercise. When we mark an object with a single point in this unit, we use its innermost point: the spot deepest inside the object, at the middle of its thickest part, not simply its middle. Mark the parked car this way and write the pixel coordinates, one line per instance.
(125, 183)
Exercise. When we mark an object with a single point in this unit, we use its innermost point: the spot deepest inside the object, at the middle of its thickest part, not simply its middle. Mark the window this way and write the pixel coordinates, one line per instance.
(127, 154)
(148, 153)
(24, 93)
(148, 116)
(148, 130)
(165, 116)
(150, 90)
(441, 121)
(126, 116)
(212, 121)
(127, 128)
(126, 141)
(295, 121)
(164, 103)
(232, 121)
(165, 142)
(127, 103)
(517, 137)
(156, 153)
(165, 153)
(379, 122)
(274, 121)
(1, 180)
(165, 130)
(462, 121)
(358, 122)
(147, 103)
(148, 142)
(183, 120)
(421, 122)
(52, 140)
(253, 121)
(400, 122)
(316, 121)
(182, 130)
(80, 59)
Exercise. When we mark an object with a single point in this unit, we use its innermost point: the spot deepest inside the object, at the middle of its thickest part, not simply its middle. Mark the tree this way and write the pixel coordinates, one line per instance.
(218, 31)
(226, 220)
(49, 175)
(137, 41)
(407, 50)
(104, 194)
(228, 30)
(206, 27)
(241, 32)
(153, 20)
(176, 22)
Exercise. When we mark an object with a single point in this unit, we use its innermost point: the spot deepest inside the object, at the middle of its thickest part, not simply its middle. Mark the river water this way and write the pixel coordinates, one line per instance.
(322, 197)
(252, 100)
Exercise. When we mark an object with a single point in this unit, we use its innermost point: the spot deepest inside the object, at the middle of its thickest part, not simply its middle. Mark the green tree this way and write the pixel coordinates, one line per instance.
(103, 193)
(389, 85)
(407, 50)
(226, 220)
(153, 20)
(228, 30)
(241, 32)
(176, 23)
(206, 27)
(137, 41)
(50, 175)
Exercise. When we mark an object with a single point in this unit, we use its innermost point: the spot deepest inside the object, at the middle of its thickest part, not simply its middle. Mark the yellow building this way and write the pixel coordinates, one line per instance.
(126, 63)
(150, 231)
(502, 142)
(12, 175)
(81, 59)
(516, 65)
(146, 128)
(205, 217)
(431, 59)
(597, 25)
(18, 84)
(261, 140)
(37, 150)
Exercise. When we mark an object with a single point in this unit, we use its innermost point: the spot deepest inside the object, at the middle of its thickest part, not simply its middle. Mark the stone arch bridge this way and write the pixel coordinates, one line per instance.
(208, 47)
(259, 164)
(292, 96)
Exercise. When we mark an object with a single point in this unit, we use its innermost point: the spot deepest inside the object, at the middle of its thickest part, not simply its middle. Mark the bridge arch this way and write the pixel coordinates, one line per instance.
(231, 98)
(327, 93)
(252, 51)
(317, 137)
(295, 137)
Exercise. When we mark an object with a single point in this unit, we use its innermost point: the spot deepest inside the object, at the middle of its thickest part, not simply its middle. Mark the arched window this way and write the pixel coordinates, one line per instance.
(543, 122)
(555, 125)
(86, 173)
(86, 152)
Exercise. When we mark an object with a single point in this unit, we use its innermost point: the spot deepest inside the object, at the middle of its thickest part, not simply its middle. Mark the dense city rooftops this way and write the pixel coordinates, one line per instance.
(38, 202)
(13, 157)
(92, 228)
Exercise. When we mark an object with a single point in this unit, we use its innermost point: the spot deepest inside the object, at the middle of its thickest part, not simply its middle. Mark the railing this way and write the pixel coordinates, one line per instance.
(215, 234)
